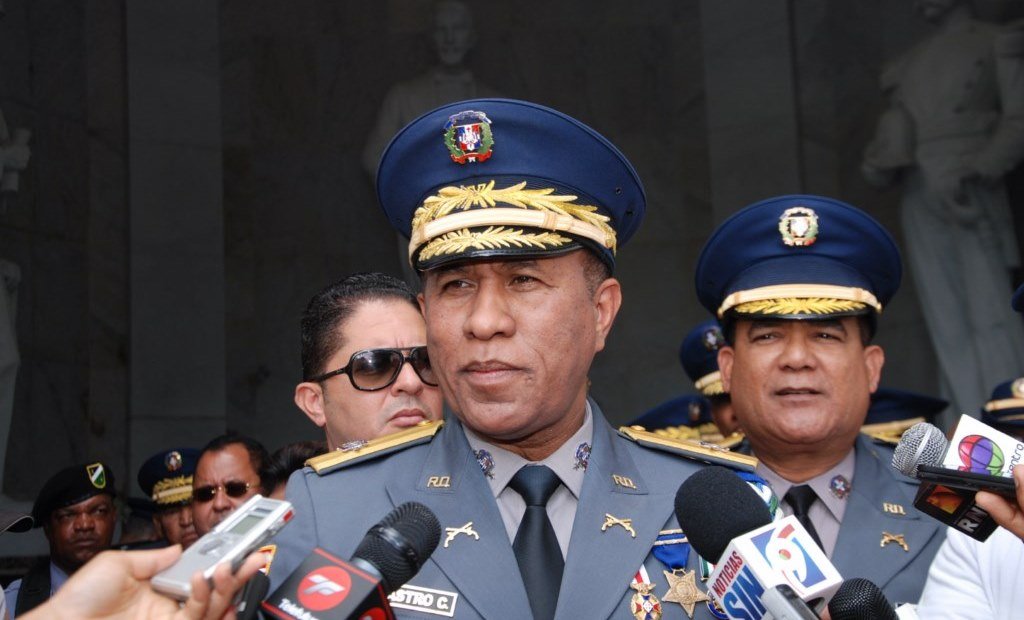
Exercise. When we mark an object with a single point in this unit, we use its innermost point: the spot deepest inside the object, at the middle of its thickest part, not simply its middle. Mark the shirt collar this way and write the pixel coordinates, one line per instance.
(563, 461)
(822, 483)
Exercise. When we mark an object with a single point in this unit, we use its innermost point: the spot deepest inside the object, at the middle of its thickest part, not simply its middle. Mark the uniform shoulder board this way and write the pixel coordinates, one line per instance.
(702, 451)
(889, 432)
(364, 450)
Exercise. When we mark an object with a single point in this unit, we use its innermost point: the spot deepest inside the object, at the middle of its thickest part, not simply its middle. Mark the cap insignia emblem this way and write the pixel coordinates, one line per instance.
(97, 476)
(172, 461)
(799, 227)
(693, 411)
(1017, 387)
(713, 339)
(468, 137)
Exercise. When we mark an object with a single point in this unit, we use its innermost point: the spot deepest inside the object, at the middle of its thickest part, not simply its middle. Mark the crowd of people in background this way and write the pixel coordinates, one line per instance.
(516, 302)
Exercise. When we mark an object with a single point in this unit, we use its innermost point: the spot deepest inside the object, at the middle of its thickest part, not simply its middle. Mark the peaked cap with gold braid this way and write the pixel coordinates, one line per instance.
(505, 178)
(699, 356)
(1005, 408)
(798, 257)
(166, 477)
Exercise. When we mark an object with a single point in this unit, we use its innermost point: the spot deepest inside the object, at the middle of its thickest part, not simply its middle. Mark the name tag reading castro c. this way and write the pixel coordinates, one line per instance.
(427, 600)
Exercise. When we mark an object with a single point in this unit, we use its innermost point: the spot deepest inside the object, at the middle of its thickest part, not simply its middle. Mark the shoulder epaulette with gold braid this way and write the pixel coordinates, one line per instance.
(702, 451)
(889, 432)
(359, 451)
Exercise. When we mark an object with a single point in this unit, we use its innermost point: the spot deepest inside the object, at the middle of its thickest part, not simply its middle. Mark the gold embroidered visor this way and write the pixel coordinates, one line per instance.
(800, 301)
(710, 384)
(172, 491)
(1004, 404)
(485, 220)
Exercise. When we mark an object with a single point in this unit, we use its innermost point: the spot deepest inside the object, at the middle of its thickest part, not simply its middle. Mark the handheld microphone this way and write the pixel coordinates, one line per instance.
(948, 483)
(763, 569)
(860, 599)
(982, 460)
(254, 591)
(390, 554)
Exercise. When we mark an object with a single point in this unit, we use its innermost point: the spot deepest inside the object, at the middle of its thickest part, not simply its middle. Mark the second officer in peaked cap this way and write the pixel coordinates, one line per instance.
(799, 283)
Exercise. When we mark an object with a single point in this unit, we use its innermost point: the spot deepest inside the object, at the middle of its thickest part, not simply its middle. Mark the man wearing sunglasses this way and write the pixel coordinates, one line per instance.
(228, 472)
(364, 360)
(515, 213)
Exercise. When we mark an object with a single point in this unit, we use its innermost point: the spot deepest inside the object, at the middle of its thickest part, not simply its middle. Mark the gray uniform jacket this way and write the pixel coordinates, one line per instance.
(334, 511)
(882, 501)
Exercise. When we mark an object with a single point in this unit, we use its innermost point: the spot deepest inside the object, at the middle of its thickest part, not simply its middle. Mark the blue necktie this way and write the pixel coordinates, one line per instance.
(536, 546)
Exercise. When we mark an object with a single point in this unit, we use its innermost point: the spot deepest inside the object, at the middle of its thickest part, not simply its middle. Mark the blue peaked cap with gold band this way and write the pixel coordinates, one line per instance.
(699, 356)
(505, 178)
(687, 410)
(1005, 407)
(798, 257)
(166, 477)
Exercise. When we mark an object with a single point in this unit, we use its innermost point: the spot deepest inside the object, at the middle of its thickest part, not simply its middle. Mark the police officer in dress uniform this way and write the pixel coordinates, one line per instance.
(76, 510)
(166, 478)
(1004, 409)
(515, 214)
(709, 413)
(798, 283)
(893, 411)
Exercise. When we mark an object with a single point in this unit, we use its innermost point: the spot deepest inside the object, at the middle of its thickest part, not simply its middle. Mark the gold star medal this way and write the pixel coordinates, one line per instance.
(682, 589)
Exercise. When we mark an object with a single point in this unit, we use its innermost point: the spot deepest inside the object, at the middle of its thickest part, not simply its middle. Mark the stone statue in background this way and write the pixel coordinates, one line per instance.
(454, 36)
(953, 129)
(14, 155)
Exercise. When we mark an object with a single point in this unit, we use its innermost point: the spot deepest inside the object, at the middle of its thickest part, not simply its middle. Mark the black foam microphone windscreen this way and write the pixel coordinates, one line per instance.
(399, 545)
(714, 506)
(860, 599)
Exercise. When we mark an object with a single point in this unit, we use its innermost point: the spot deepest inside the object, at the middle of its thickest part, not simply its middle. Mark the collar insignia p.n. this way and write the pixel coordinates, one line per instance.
(799, 227)
(468, 137)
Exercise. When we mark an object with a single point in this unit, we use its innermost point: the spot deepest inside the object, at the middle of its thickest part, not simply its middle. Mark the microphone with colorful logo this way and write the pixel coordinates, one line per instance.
(763, 569)
(978, 457)
(329, 588)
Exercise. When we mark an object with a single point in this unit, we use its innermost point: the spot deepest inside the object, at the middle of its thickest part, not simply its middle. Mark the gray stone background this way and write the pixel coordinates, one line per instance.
(196, 177)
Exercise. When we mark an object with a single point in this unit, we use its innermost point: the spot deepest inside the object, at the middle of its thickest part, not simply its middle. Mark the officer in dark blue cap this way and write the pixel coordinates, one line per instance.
(166, 479)
(893, 411)
(699, 356)
(798, 283)
(515, 214)
(707, 415)
(76, 510)
(890, 405)
(1005, 408)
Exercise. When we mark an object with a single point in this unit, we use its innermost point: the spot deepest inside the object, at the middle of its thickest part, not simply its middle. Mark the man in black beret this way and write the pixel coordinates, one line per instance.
(76, 511)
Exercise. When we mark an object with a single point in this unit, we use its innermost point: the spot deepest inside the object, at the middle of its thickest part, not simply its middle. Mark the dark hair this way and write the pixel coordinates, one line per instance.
(332, 306)
(289, 458)
(258, 455)
(867, 324)
(595, 271)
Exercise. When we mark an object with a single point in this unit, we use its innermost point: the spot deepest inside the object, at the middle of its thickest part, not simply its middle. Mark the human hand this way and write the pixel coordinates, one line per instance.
(115, 584)
(1005, 512)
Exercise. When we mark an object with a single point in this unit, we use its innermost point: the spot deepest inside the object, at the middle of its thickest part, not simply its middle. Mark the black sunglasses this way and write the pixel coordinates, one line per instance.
(233, 488)
(375, 369)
